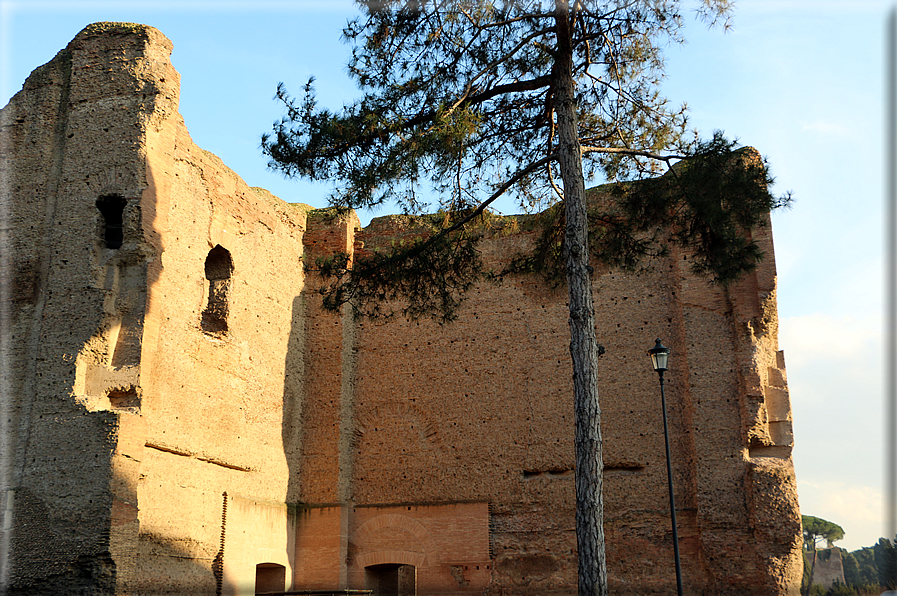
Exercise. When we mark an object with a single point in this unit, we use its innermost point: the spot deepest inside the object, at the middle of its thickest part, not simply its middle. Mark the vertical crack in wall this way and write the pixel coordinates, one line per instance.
(347, 403)
(689, 495)
(45, 261)
(534, 345)
(349, 357)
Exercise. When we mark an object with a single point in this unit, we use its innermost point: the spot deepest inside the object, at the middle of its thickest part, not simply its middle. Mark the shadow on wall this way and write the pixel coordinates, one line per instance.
(54, 554)
(292, 422)
(271, 577)
(57, 549)
(84, 332)
(167, 567)
(79, 435)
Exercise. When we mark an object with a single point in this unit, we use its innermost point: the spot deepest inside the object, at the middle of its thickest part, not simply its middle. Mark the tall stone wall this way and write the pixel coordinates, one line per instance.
(148, 391)
(187, 419)
(479, 411)
(72, 140)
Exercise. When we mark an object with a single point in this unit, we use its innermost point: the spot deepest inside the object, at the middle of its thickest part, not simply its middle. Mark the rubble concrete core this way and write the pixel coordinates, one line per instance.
(187, 419)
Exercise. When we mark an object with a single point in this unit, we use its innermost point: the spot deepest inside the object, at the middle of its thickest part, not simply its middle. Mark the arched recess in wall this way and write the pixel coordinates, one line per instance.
(112, 208)
(270, 577)
(219, 268)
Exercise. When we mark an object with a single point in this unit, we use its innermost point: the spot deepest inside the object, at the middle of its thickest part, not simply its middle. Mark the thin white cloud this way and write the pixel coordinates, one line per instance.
(856, 508)
(835, 382)
(806, 338)
(827, 128)
(871, 7)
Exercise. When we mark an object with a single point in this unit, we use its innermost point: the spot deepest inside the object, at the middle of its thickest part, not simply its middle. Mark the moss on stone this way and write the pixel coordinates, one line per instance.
(113, 28)
(328, 214)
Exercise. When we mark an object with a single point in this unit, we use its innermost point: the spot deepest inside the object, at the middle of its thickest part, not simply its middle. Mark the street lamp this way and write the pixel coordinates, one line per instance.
(660, 356)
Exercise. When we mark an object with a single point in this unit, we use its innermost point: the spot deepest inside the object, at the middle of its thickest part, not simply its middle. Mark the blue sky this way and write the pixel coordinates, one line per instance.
(800, 80)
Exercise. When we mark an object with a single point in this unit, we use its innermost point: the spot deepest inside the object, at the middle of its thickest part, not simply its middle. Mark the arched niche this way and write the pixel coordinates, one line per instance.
(218, 269)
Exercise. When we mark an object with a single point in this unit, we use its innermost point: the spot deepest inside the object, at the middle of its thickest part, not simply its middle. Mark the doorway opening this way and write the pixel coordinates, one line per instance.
(270, 577)
(391, 580)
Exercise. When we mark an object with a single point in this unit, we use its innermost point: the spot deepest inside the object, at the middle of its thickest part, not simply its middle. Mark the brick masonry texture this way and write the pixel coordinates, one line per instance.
(182, 409)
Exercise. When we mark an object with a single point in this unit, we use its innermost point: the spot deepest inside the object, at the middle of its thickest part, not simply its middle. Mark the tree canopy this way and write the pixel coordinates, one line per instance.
(462, 95)
(861, 566)
(464, 101)
(816, 529)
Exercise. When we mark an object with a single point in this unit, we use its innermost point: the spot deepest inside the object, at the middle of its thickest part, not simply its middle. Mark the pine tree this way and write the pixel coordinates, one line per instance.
(814, 530)
(467, 101)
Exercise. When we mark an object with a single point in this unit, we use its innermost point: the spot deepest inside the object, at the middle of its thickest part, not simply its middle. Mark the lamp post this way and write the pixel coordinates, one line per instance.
(660, 355)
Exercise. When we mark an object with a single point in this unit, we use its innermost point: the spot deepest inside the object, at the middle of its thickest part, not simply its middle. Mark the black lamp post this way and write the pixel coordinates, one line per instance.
(660, 355)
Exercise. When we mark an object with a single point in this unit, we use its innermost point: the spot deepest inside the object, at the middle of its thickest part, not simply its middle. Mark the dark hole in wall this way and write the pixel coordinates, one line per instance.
(112, 208)
(124, 398)
(219, 267)
(391, 580)
(555, 472)
(623, 468)
(219, 264)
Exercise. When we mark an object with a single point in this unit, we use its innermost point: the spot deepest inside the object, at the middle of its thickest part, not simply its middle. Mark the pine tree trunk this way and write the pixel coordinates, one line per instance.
(583, 344)
(812, 569)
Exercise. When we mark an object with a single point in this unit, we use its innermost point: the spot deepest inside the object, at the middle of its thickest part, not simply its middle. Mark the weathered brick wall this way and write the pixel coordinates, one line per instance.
(480, 410)
(447, 544)
(224, 401)
(72, 137)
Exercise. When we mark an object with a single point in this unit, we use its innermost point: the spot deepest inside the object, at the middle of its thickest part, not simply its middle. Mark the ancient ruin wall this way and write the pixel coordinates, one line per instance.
(73, 170)
(156, 312)
(178, 389)
(828, 567)
(478, 411)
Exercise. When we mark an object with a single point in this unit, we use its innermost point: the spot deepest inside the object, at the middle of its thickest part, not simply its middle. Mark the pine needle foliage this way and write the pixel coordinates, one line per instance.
(428, 277)
(459, 97)
(459, 104)
(816, 529)
(707, 204)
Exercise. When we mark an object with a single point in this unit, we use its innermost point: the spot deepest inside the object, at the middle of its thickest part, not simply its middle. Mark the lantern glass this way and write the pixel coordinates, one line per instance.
(660, 356)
